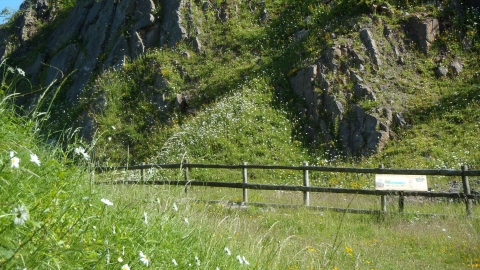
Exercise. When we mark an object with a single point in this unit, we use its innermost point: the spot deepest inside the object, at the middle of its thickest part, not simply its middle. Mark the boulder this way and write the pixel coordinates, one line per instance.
(387, 31)
(355, 77)
(424, 30)
(88, 126)
(298, 36)
(455, 67)
(332, 56)
(159, 83)
(122, 10)
(370, 124)
(441, 71)
(223, 14)
(161, 101)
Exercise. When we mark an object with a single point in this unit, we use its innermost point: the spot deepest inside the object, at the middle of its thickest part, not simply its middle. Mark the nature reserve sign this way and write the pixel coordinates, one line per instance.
(401, 182)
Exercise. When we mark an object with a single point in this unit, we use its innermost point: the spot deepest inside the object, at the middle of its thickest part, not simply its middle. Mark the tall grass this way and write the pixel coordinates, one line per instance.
(53, 216)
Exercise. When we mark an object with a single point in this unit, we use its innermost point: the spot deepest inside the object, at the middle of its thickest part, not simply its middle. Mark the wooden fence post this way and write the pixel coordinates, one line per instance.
(245, 194)
(401, 202)
(466, 191)
(142, 173)
(185, 161)
(306, 194)
(383, 198)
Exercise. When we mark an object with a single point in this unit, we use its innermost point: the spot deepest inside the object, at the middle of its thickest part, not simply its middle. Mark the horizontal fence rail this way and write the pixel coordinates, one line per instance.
(464, 173)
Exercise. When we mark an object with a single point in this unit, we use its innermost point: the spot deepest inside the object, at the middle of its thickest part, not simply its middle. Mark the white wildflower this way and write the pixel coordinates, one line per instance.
(227, 251)
(245, 261)
(20, 71)
(145, 217)
(144, 258)
(15, 161)
(175, 207)
(174, 262)
(125, 267)
(106, 202)
(21, 215)
(197, 260)
(242, 260)
(239, 259)
(81, 151)
(34, 159)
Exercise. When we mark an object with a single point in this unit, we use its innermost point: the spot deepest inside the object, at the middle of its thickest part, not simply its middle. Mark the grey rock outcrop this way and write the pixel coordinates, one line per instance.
(344, 127)
(424, 30)
(441, 72)
(363, 91)
(456, 67)
(172, 29)
(27, 25)
(371, 45)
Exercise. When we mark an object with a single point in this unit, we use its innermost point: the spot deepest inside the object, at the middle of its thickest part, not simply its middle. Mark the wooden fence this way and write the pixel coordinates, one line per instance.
(464, 173)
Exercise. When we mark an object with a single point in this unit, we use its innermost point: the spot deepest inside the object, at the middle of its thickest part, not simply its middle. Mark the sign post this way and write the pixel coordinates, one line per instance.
(401, 183)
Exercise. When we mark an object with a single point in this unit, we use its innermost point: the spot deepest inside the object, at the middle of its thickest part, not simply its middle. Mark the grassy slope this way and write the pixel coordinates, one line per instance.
(246, 111)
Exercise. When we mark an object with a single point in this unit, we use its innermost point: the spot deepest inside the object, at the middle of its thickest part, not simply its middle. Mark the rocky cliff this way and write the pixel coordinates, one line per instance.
(95, 36)
(352, 92)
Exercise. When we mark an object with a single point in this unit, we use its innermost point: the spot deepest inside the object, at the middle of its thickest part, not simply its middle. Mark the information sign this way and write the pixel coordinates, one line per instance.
(401, 182)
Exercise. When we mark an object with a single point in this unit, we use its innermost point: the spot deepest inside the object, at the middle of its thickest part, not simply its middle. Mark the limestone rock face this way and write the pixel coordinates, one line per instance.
(348, 113)
(93, 37)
